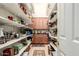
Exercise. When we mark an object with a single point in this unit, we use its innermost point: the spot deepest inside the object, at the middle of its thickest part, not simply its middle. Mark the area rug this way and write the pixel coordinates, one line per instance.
(39, 53)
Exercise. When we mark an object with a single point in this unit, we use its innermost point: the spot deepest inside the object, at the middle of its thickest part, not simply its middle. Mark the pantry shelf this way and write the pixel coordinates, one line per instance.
(59, 48)
(53, 36)
(16, 10)
(53, 46)
(53, 19)
(10, 22)
(23, 49)
(51, 8)
(13, 41)
(53, 27)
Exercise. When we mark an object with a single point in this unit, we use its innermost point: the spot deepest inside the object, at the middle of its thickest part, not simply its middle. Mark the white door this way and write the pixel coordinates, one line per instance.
(68, 28)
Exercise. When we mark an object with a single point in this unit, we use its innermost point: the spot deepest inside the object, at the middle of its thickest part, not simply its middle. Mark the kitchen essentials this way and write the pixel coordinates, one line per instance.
(33, 31)
(2, 40)
(7, 36)
(23, 31)
(8, 52)
(10, 18)
(22, 22)
(1, 32)
(24, 42)
(16, 51)
(23, 7)
(28, 32)
(29, 38)
(18, 46)
(38, 31)
(55, 31)
(17, 20)
(10, 35)
(16, 35)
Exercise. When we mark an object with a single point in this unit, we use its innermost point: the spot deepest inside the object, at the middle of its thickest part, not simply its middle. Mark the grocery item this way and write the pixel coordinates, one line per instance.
(8, 52)
(1, 32)
(10, 18)
(24, 42)
(2, 40)
(17, 47)
(23, 7)
(17, 20)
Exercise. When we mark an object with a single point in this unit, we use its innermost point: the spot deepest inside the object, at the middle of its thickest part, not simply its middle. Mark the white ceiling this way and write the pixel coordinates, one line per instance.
(40, 9)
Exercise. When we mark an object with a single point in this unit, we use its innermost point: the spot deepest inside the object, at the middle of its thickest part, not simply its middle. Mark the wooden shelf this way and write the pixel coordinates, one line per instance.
(23, 49)
(13, 41)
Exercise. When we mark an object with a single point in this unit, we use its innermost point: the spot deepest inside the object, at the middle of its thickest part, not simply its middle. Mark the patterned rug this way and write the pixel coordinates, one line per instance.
(39, 53)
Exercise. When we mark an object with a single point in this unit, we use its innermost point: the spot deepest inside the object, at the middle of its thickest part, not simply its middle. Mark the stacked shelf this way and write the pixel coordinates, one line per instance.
(13, 41)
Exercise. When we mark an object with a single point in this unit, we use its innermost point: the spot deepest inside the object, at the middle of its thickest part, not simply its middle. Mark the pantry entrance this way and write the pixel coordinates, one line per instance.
(28, 30)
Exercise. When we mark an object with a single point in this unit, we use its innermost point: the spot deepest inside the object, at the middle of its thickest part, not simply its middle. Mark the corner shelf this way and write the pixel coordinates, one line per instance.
(13, 41)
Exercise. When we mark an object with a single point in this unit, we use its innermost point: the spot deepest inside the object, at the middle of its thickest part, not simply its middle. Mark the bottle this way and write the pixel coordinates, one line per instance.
(1, 32)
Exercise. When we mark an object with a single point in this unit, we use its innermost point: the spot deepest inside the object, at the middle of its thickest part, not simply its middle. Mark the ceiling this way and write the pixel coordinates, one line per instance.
(40, 9)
